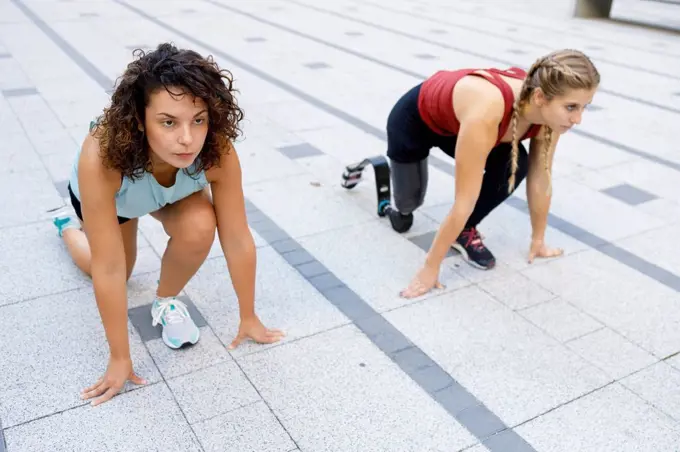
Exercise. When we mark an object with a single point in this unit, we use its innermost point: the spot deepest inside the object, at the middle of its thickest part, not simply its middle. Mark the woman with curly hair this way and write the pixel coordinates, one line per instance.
(163, 147)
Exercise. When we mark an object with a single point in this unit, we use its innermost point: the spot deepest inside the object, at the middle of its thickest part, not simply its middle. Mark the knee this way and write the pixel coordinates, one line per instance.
(197, 231)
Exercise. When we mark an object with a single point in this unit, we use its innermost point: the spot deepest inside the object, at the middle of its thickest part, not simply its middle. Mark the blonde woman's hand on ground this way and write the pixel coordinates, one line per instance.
(425, 280)
(539, 249)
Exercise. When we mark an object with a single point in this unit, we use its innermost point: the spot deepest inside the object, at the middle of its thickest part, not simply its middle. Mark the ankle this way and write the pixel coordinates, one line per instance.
(70, 232)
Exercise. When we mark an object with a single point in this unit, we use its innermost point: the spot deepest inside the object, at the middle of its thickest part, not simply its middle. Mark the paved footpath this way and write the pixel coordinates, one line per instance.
(576, 354)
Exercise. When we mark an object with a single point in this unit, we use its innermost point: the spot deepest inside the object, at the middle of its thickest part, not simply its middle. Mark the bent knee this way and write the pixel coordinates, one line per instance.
(197, 228)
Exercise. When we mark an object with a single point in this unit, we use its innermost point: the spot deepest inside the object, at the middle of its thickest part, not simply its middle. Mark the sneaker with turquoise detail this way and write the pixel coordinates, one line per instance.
(65, 218)
(178, 326)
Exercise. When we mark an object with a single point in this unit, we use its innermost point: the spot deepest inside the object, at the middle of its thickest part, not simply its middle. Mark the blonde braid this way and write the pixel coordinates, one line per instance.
(547, 142)
(551, 64)
(555, 75)
(519, 102)
(514, 156)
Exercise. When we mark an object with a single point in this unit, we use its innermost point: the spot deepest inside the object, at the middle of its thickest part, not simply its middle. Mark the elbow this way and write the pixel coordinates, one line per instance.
(238, 241)
(538, 187)
(108, 267)
(111, 266)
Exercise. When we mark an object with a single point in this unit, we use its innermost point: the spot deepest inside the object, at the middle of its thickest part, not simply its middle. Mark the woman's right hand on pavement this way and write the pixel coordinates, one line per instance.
(110, 384)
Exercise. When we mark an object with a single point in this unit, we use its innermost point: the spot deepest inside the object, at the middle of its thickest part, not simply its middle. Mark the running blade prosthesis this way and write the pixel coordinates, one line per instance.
(352, 176)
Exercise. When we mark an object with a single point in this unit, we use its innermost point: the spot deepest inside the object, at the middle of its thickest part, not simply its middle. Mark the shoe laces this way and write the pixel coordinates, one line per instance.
(473, 239)
(171, 310)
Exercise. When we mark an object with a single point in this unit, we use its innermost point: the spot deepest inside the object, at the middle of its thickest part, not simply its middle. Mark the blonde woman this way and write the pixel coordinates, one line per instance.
(480, 117)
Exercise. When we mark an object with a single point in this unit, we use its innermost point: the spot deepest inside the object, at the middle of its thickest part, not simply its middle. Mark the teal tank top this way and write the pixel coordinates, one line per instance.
(139, 197)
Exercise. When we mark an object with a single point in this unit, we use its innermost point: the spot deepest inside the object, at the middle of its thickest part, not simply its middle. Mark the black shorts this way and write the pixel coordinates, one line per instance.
(76, 206)
(409, 139)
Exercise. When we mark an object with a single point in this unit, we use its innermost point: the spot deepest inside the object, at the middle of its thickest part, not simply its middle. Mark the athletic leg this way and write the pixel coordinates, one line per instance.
(408, 145)
(79, 248)
(494, 189)
(493, 192)
(191, 225)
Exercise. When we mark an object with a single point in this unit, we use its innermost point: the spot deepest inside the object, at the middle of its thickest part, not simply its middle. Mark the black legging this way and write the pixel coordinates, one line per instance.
(409, 141)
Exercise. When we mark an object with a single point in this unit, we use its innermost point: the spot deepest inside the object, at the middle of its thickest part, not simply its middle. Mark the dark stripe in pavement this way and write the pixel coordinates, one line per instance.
(423, 370)
(431, 377)
(529, 42)
(466, 51)
(89, 68)
(589, 135)
(625, 257)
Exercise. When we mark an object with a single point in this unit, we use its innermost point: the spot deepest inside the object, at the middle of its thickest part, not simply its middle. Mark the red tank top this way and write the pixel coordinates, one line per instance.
(435, 101)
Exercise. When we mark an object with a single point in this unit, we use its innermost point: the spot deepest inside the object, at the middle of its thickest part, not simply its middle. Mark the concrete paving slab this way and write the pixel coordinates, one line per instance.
(561, 320)
(497, 354)
(208, 351)
(391, 271)
(612, 353)
(60, 351)
(212, 391)
(617, 419)
(306, 312)
(56, 78)
(31, 204)
(623, 300)
(45, 270)
(328, 211)
(138, 421)
(251, 428)
(657, 385)
(332, 405)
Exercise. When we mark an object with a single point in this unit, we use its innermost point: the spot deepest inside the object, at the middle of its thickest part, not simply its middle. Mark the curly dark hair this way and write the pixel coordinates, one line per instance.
(123, 144)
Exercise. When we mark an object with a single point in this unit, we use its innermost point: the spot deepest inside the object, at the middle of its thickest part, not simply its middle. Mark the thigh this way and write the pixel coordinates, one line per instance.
(128, 229)
(448, 145)
(408, 137)
(194, 214)
(500, 158)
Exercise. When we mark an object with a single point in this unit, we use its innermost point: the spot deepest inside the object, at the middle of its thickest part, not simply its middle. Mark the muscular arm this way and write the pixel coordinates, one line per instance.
(98, 186)
(538, 184)
(475, 140)
(233, 231)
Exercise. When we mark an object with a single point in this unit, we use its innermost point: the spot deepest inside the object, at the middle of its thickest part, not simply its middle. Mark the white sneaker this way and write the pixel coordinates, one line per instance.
(178, 326)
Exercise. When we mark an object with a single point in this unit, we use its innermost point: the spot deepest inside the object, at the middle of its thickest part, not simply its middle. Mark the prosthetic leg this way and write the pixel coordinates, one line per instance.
(352, 176)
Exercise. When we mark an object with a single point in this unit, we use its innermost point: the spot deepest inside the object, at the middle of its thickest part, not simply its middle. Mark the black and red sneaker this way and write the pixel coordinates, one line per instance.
(469, 245)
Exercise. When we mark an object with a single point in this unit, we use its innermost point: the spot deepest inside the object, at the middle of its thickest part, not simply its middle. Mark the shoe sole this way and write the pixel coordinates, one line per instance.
(466, 258)
(175, 347)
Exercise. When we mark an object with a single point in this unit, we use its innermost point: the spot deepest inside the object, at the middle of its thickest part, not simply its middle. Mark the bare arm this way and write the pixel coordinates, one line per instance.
(98, 186)
(479, 112)
(238, 246)
(538, 184)
(475, 140)
(233, 231)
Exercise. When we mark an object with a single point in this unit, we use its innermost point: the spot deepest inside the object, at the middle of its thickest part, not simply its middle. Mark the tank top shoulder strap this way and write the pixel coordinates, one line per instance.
(512, 72)
(508, 96)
